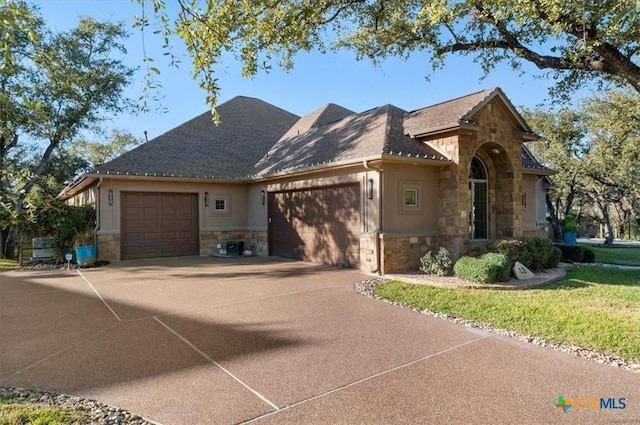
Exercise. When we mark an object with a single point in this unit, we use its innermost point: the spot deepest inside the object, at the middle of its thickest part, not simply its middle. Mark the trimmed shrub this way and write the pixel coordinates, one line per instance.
(557, 256)
(572, 253)
(488, 268)
(515, 250)
(543, 254)
(439, 264)
(589, 256)
(535, 253)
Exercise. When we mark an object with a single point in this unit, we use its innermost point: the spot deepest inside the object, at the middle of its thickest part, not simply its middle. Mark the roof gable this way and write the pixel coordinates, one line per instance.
(372, 133)
(321, 116)
(459, 111)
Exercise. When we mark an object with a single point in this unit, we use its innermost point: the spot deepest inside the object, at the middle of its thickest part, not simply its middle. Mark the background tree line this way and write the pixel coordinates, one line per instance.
(53, 88)
(595, 147)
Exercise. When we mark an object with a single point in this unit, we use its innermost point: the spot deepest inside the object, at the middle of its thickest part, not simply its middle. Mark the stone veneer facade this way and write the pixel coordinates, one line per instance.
(400, 253)
(256, 241)
(109, 243)
(496, 142)
(109, 246)
(368, 253)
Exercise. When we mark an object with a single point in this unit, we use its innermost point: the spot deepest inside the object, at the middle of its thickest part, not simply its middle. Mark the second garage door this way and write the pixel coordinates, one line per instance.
(321, 225)
(158, 224)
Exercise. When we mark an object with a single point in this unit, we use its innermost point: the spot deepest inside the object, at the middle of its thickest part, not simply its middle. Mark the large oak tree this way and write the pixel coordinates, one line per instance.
(574, 41)
(53, 86)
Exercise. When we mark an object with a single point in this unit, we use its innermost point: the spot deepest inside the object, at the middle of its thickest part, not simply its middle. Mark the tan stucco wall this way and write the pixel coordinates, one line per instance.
(86, 197)
(257, 210)
(530, 211)
(397, 218)
(226, 223)
(236, 196)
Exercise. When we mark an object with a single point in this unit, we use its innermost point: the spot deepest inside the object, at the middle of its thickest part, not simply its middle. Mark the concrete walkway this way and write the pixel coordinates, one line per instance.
(220, 341)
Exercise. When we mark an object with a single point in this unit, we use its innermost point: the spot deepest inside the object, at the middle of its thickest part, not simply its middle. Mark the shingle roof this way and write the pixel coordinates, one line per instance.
(455, 111)
(198, 148)
(321, 116)
(372, 133)
(451, 111)
(259, 139)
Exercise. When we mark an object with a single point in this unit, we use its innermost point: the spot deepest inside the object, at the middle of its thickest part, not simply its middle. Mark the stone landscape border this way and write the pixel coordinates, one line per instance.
(97, 413)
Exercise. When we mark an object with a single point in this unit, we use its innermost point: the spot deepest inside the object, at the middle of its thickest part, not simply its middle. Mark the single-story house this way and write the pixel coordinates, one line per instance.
(373, 190)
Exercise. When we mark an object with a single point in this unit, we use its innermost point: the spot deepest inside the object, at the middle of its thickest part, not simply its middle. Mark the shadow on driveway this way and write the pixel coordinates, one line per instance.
(58, 335)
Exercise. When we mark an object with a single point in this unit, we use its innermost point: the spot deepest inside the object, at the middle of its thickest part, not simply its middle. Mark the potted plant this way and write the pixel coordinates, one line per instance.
(570, 229)
(86, 253)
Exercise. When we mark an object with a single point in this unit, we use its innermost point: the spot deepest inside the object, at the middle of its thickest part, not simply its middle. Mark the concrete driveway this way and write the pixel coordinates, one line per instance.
(219, 341)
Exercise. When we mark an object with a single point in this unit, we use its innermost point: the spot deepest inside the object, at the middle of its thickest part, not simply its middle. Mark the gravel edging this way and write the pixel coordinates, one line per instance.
(366, 288)
(97, 413)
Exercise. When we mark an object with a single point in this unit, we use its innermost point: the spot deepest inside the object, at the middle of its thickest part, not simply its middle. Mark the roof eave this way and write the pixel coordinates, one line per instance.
(87, 180)
(539, 171)
(76, 186)
(416, 159)
(313, 168)
(442, 128)
(352, 162)
(528, 136)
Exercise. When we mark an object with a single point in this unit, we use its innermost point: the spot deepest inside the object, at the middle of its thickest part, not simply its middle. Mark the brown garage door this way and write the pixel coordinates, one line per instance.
(321, 225)
(159, 224)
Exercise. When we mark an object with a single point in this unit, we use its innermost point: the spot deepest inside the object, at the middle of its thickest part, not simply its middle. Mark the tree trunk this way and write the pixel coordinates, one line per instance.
(569, 206)
(553, 219)
(20, 250)
(608, 240)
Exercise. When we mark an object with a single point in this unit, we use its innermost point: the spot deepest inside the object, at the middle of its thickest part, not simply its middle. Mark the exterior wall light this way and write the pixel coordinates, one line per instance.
(110, 196)
(206, 199)
(370, 189)
(263, 196)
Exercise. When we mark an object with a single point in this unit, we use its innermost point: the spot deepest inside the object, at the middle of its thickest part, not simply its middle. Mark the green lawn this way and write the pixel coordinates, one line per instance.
(7, 265)
(615, 254)
(593, 307)
(19, 413)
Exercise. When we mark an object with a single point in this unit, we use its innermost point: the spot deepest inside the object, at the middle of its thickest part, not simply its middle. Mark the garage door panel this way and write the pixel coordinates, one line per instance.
(169, 223)
(321, 225)
(151, 236)
(159, 224)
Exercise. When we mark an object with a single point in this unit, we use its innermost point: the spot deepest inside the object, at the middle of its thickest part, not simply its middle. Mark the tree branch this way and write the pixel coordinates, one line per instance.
(609, 59)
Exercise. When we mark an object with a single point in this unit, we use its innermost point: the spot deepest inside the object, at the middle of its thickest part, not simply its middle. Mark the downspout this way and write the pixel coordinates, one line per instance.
(378, 231)
(97, 228)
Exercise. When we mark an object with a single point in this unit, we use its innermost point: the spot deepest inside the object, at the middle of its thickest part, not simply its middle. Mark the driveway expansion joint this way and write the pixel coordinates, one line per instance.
(367, 378)
(99, 296)
(59, 352)
(218, 365)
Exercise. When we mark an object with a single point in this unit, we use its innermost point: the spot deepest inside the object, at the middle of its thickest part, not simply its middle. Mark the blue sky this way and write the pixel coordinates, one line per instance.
(315, 80)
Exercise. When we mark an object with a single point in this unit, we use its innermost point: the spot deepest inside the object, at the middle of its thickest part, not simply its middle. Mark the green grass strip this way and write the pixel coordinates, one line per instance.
(8, 265)
(592, 307)
(20, 413)
(615, 255)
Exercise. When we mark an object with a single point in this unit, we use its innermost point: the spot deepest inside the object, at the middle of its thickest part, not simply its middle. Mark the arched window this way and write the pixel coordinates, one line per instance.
(479, 204)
